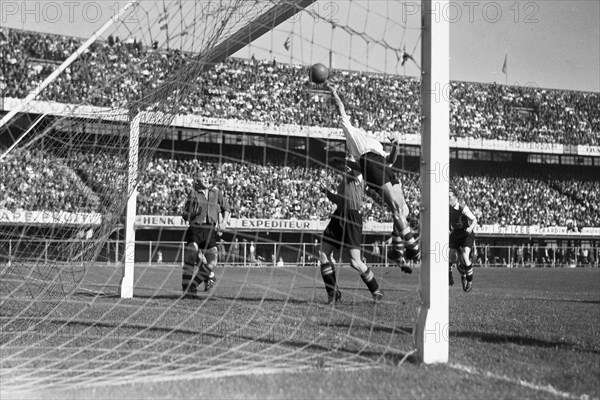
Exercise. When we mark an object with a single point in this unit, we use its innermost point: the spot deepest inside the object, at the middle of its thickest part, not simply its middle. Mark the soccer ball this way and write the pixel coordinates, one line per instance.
(318, 73)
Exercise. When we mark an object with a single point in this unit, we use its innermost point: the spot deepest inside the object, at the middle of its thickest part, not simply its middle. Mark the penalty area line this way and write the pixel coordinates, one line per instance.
(530, 385)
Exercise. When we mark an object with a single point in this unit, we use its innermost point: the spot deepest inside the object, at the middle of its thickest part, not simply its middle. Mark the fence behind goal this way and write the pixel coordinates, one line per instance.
(263, 254)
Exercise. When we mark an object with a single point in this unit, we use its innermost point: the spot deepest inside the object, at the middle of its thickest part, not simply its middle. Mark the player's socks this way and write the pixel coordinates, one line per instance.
(466, 272)
(469, 272)
(187, 276)
(204, 272)
(397, 244)
(369, 279)
(412, 246)
(328, 275)
(397, 252)
(396, 249)
(197, 280)
(189, 282)
(207, 276)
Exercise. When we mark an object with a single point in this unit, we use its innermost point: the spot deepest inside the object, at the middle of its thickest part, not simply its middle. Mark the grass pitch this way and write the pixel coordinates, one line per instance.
(266, 333)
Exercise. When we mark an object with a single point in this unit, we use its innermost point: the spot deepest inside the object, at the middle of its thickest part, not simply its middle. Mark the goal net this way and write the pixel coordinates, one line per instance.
(216, 86)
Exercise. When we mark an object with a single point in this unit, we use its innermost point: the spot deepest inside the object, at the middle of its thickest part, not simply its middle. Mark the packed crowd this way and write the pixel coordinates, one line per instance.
(506, 197)
(34, 181)
(585, 195)
(515, 197)
(115, 72)
(254, 191)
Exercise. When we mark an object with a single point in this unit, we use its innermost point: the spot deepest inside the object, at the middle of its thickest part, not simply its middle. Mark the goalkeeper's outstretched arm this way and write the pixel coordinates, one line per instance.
(338, 101)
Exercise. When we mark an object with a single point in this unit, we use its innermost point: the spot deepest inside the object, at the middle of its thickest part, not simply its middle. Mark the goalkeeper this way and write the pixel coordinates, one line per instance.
(375, 165)
(345, 230)
(207, 212)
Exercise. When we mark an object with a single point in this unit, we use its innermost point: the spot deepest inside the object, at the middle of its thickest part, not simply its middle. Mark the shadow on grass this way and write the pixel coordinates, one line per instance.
(265, 300)
(235, 335)
(580, 301)
(519, 340)
(201, 296)
(399, 330)
(91, 294)
(587, 301)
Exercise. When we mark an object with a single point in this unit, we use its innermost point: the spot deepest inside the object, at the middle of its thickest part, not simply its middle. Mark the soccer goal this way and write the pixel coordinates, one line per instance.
(101, 155)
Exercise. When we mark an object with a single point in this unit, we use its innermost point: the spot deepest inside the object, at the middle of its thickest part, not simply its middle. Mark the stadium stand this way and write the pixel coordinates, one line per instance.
(33, 180)
(277, 191)
(236, 89)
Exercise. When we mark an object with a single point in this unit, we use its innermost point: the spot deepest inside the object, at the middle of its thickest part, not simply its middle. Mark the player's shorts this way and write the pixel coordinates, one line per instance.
(376, 171)
(203, 235)
(344, 229)
(461, 238)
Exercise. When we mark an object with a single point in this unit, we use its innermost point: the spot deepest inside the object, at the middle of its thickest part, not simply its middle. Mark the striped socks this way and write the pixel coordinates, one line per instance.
(409, 239)
(188, 280)
(204, 273)
(369, 279)
(328, 275)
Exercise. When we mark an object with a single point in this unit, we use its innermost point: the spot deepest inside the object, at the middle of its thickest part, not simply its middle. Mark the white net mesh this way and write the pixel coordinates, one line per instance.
(259, 128)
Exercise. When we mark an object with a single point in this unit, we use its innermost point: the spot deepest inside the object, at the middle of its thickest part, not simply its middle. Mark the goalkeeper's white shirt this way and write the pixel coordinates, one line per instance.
(359, 141)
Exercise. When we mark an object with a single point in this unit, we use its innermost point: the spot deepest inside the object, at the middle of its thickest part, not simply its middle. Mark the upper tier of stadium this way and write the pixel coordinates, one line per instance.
(113, 73)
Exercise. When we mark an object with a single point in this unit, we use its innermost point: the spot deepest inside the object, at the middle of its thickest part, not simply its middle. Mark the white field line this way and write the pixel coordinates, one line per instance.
(540, 388)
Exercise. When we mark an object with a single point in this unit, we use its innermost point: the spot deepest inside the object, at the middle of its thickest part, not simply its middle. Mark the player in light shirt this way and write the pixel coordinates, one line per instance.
(375, 164)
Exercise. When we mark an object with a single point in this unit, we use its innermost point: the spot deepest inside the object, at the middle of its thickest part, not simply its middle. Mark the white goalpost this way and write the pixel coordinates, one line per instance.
(432, 325)
(126, 285)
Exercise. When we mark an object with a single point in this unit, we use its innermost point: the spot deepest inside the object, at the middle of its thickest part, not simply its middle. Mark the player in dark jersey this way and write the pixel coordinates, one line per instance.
(207, 212)
(345, 230)
(462, 240)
